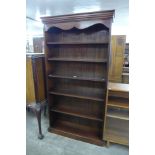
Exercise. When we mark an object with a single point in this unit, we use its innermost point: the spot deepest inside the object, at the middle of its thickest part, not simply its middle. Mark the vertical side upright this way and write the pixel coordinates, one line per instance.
(107, 78)
(46, 73)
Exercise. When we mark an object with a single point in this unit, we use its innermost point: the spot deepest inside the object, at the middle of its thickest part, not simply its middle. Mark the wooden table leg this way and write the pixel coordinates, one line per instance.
(45, 109)
(37, 111)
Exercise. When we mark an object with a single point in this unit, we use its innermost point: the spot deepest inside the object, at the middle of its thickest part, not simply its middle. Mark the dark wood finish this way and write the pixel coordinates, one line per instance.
(79, 20)
(70, 130)
(76, 113)
(74, 43)
(77, 78)
(78, 127)
(76, 96)
(117, 114)
(77, 60)
(76, 106)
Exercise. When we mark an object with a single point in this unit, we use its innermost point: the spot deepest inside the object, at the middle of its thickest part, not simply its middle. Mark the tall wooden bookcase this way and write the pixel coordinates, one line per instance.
(77, 59)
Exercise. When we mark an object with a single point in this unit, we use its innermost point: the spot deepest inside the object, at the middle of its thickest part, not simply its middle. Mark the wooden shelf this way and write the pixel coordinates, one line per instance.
(118, 87)
(77, 78)
(75, 113)
(78, 60)
(125, 67)
(119, 103)
(80, 132)
(117, 131)
(125, 74)
(76, 43)
(75, 96)
(118, 114)
(116, 137)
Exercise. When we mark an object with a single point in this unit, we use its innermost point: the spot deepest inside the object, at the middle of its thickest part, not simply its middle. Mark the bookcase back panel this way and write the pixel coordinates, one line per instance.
(118, 99)
(81, 51)
(97, 32)
(79, 106)
(76, 124)
(95, 89)
(79, 69)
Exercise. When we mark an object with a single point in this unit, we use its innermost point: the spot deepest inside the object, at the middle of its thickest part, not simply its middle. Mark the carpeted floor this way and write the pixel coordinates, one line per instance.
(53, 144)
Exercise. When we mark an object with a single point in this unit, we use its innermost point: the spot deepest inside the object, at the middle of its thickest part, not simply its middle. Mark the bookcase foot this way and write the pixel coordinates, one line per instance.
(108, 143)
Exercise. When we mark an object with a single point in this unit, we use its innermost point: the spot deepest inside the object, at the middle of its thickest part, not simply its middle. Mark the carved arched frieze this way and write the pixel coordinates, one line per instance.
(79, 25)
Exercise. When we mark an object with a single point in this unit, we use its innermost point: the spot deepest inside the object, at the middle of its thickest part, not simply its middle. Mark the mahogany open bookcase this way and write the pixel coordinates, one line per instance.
(77, 60)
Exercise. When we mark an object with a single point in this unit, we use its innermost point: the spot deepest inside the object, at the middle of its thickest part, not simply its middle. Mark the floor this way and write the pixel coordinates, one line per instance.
(53, 144)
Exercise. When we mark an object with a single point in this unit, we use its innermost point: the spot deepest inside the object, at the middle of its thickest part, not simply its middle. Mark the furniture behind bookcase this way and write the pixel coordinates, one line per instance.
(117, 58)
(117, 114)
(35, 86)
(125, 73)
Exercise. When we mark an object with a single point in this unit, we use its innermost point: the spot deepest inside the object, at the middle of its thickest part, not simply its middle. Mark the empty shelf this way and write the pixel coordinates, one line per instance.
(125, 74)
(117, 131)
(77, 78)
(78, 60)
(116, 136)
(117, 102)
(78, 132)
(75, 96)
(77, 114)
(118, 114)
(74, 43)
